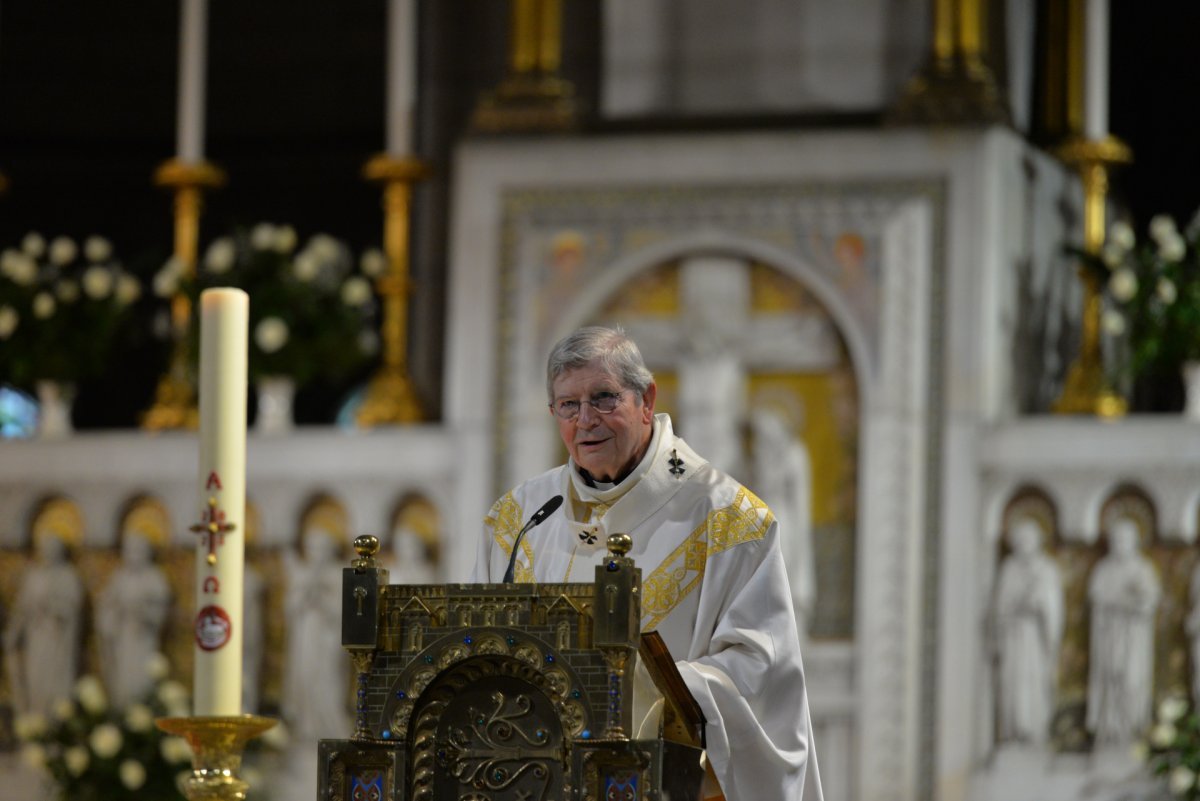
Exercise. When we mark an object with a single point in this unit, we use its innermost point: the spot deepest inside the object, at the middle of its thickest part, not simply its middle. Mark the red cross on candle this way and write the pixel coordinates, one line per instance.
(213, 526)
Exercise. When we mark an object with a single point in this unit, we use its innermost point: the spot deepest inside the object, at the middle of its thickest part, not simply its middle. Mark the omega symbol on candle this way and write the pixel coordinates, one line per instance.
(212, 585)
(213, 628)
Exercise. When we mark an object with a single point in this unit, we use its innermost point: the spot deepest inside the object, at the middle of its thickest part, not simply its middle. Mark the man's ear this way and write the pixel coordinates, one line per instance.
(648, 398)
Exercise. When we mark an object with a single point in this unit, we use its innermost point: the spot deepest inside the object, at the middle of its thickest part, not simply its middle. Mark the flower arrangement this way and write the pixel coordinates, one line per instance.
(1151, 296)
(1173, 749)
(312, 312)
(61, 306)
(93, 752)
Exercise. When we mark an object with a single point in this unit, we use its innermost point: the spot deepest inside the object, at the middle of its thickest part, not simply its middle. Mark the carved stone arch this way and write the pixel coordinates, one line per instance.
(705, 242)
(327, 513)
(417, 513)
(57, 516)
(1034, 501)
(146, 516)
(1132, 501)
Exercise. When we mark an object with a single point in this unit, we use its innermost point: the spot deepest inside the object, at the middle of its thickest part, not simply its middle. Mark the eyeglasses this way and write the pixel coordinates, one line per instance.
(601, 403)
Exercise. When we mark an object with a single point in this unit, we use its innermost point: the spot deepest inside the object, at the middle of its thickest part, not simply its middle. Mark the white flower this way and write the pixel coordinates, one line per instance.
(285, 239)
(270, 334)
(262, 236)
(105, 740)
(1121, 235)
(1162, 227)
(368, 342)
(305, 267)
(277, 736)
(67, 291)
(1165, 289)
(139, 718)
(22, 269)
(129, 289)
(64, 709)
(373, 263)
(29, 726)
(34, 756)
(1172, 248)
(175, 750)
(158, 667)
(1113, 322)
(97, 248)
(91, 694)
(1112, 255)
(1139, 751)
(166, 280)
(324, 247)
(356, 291)
(1172, 708)
(63, 251)
(97, 282)
(1162, 735)
(9, 320)
(43, 305)
(33, 244)
(1123, 285)
(132, 773)
(172, 694)
(220, 256)
(1182, 779)
(77, 759)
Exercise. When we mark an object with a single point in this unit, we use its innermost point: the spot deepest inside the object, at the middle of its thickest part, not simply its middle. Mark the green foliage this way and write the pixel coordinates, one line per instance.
(1173, 750)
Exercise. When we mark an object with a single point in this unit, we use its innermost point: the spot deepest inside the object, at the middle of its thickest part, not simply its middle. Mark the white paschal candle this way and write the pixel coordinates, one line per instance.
(193, 45)
(1095, 61)
(401, 75)
(220, 549)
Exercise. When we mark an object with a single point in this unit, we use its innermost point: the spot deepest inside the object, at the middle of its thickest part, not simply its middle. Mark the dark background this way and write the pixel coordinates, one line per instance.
(295, 108)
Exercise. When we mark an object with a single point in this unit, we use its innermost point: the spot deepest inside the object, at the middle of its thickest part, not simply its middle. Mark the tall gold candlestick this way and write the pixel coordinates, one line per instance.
(390, 398)
(175, 397)
(1086, 389)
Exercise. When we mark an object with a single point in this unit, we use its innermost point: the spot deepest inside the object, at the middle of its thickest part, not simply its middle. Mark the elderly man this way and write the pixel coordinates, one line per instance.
(714, 584)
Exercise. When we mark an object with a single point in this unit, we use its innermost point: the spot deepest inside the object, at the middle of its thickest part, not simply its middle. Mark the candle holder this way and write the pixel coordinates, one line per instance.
(175, 397)
(390, 397)
(1086, 389)
(217, 744)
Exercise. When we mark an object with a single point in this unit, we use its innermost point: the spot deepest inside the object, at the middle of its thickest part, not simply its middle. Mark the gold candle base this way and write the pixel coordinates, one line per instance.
(217, 743)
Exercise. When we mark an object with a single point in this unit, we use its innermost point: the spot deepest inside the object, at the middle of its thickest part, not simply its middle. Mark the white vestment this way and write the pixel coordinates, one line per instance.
(714, 586)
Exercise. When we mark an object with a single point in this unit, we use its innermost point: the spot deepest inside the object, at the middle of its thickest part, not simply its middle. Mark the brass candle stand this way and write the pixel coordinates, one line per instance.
(390, 397)
(175, 397)
(217, 744)
(1086, 389)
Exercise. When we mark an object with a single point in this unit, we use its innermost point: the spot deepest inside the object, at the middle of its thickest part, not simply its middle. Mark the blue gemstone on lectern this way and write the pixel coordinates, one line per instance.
(586, 734)
(401, 694)
(467, 640)
(613, 566)
(387, 735)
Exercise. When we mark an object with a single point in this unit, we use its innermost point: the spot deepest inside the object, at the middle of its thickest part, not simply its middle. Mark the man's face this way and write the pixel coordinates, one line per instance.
(608, 446)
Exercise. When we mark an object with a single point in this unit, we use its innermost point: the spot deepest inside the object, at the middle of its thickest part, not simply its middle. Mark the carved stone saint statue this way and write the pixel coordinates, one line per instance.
(1192, 625)
(316, 681)
(42, 639)
(132, 609)
(1027, 629)
(1124, 592)
(783, 479)
(410, 556)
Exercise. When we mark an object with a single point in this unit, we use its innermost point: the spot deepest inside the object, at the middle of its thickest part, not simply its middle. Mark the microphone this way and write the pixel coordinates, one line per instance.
(548, 508)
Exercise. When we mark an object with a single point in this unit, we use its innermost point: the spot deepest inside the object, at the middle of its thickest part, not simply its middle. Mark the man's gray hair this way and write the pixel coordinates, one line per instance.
(608, 348)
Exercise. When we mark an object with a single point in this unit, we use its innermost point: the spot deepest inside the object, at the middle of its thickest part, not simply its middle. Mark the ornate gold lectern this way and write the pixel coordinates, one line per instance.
(507, 692)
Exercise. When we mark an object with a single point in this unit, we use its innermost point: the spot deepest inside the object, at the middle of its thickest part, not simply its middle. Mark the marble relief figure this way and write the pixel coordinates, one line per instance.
(132, 608)
(1027, 631)
(1123, 593)
(43, 635)
(1192, 627)
(411, 553)
(316, 688)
